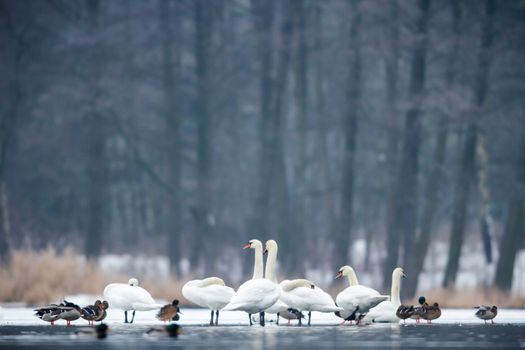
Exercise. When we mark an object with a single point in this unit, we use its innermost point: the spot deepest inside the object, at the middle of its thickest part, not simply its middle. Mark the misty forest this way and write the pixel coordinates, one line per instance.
(370, 133)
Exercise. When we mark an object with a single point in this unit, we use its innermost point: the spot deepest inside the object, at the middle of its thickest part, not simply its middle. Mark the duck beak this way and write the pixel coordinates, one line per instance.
(246, 246)
(265, 252)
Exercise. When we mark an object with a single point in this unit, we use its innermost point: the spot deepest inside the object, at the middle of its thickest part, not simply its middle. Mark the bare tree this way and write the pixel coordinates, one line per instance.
(468, 158)
(406, 198)
(354, 87)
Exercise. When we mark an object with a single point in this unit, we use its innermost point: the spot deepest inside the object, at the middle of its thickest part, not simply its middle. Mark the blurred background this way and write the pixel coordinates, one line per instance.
(155, 138)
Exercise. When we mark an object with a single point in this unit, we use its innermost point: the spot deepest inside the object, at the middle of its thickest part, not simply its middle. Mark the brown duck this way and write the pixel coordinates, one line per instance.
(486, 313)
(403, 312)
(429, 312)
(169, 312)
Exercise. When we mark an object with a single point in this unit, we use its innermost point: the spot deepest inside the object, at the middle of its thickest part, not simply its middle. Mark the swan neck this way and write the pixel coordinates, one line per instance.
(258, 263)
(396, 284)
(352, 279)
(270, 265)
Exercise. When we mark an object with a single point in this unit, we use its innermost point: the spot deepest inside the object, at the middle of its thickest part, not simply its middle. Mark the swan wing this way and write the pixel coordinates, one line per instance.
(254, 295)
(383, 312)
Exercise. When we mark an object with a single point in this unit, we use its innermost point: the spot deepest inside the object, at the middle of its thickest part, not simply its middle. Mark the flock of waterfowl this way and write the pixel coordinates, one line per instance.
(260, 295)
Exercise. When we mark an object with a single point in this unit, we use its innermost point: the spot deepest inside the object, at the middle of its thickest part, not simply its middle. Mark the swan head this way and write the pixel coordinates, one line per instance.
(270, 245)
(345, 271)
(133, 282)
(398, 272)
(253, 244)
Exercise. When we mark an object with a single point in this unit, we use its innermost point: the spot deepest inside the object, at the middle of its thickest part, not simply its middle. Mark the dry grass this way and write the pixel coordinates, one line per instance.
(469, 297)
(47, 276)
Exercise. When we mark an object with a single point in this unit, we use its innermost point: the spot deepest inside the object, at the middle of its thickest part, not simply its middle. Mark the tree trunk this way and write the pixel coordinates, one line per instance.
(170, 31)
(8, 119)
(343, 234)
(513, 235)
(467, 166)
(436, 172)
(96, 138)
(406, 195)
(300, 199)
(203, 30)
(263, 18)
(284, 216)
(391, 163)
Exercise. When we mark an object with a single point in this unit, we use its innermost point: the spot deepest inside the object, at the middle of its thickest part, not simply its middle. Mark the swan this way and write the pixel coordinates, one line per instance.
(129, 297)
(349, 272)
(357, 299)
(303, 295)
(386, 311)
(257, 294)
(300, 294)
(280, 308)
(211, 293)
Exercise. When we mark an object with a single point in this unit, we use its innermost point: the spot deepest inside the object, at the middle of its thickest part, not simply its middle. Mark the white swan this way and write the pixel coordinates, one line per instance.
(386, 311)
(357, 299)
(280, 308)
(303, 295)
(129, 297)
(349, 272)
(211, 293)
(257, 294)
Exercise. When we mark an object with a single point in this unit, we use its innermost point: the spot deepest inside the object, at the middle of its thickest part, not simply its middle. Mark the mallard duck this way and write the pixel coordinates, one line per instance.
(486, 313)
(169, 312)
(403, 312)
(104, 306)
(417, 309)
(69, 312)
(100, 331)
(172, 330)
(429, 312)
(290, 314)
(49, 313)
(91, 312)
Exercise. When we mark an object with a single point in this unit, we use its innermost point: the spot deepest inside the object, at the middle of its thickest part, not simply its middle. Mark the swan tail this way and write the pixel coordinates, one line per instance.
(378, 299)
(231, 307)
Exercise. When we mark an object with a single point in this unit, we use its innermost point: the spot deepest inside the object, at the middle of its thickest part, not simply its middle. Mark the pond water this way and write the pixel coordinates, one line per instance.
(456, 329)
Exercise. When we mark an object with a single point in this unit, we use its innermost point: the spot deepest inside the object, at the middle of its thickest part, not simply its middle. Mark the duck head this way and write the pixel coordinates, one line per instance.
(133, 282)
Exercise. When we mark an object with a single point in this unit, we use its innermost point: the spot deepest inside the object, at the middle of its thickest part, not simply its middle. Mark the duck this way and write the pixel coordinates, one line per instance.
(171, 330)
(486, 313)
(91, 312)
(258, 294)
(211, 293)
(403, 312)
(429, 312)
(169, 312)
(69, 312)
(49, 313)
(130, 297)
(417, 309)
(385, 311)
(104, 306)
(357, 299)
(100, 331)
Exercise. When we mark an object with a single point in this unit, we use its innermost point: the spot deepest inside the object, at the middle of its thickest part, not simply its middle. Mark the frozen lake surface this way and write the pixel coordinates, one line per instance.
(456, 328)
